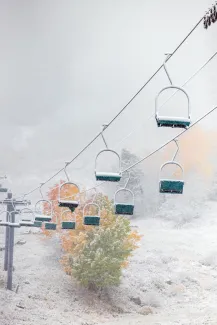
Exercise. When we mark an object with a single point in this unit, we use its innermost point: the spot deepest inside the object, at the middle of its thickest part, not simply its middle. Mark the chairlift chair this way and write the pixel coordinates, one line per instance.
(63, 203)
(91, 220)
(172, 121)
(68, 225)
(39, 216)
(172, 186)
(71, 204)
(27, 221)
(121, 207)
(104, 175)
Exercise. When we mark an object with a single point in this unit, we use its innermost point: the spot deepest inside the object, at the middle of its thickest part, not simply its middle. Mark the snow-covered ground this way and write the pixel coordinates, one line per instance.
(172, 279)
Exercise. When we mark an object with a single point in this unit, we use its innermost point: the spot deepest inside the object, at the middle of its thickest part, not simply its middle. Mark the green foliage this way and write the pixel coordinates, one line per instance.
(105, 251)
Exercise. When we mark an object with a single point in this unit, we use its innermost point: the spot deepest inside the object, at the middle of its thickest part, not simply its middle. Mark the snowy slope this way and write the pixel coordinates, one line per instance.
(172, 276)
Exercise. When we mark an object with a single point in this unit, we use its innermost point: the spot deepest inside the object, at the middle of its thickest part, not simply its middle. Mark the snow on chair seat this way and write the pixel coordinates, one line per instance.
(171, 186)
(68, 204)
(175, 122)
(108, 176)
(42, 217)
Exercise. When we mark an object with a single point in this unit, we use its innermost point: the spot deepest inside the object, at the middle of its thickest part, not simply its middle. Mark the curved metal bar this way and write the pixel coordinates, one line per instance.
(4, 211)
(31, 211)
(172, 163)
(89, 204)
(110, 150)
(168, 55)
(47, 201)
(68, 183)
(9, 223)
(72, 213)
(122, 190)
(172, 87)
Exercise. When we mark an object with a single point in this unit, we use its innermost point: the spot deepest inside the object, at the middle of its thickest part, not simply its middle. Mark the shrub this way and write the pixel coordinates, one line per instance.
(95, 255)
(104, 254)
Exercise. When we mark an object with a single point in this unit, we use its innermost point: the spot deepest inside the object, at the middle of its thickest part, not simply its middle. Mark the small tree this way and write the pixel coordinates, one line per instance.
(75, 242)
(104, 254)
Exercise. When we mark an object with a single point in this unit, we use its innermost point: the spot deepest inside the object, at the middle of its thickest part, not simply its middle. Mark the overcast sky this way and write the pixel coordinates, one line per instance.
(68, 66)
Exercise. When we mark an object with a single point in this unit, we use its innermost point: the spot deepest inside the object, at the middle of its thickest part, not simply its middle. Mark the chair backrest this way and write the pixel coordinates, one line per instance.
(172, 87)
(113, 152)
(44, 201)
(91, 204)
(172, 163)
(124, 190)
(68, 183)
(30, 211)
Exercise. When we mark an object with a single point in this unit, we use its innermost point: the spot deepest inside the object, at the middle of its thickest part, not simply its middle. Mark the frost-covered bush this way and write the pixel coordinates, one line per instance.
(105, 253)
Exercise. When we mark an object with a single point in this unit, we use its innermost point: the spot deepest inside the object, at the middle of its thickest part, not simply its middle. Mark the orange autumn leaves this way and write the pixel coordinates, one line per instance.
(73, 241)
(195, 151)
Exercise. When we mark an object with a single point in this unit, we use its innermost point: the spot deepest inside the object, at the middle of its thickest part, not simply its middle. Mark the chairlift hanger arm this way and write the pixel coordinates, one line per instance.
(168, 55)
(177, 150)
(41, 190)
(67, 176)
(104, 126)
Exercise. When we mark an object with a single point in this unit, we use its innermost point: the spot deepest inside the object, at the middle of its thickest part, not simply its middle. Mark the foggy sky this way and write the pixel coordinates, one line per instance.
(69, 66)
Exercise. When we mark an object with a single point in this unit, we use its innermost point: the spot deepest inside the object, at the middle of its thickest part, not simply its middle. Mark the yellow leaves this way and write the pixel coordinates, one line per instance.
(74, 241)
(196, 147)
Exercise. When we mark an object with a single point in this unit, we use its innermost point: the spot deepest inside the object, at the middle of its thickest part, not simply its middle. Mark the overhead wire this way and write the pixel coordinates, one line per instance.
(156, 150)
(171, 96)
(121, 111)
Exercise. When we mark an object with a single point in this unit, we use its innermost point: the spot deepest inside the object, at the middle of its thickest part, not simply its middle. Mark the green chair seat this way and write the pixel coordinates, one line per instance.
(123, 208)
(171, 186)
(50, 226)
(109, 177)
(38, 224)
(173, 122)
(3, 190)
(68, 225)
(91, 220)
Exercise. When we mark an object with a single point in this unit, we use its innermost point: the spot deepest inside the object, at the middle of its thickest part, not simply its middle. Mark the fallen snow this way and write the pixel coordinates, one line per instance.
(173, 273)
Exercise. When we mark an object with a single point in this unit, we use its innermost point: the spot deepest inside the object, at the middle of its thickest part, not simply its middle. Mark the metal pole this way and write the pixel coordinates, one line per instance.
(9, 209)
(10, 252)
